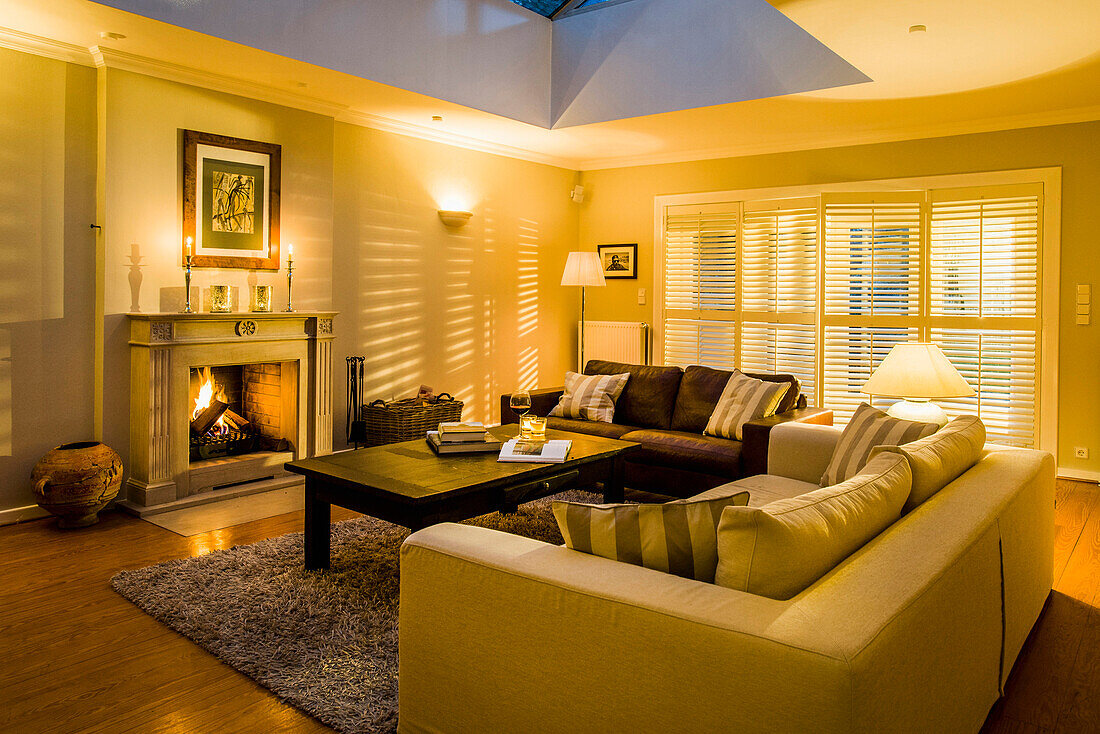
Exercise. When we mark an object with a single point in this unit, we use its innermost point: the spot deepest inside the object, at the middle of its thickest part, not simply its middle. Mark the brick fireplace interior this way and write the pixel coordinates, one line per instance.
(253, 419)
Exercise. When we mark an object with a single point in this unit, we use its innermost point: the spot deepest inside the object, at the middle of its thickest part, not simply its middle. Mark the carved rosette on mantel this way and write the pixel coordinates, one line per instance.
(165, 348)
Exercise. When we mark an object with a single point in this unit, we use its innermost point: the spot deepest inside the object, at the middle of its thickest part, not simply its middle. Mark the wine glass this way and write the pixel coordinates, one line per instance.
(520, 402)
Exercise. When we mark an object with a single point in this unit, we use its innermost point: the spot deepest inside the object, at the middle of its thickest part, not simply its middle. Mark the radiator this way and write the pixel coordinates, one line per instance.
(616, 341)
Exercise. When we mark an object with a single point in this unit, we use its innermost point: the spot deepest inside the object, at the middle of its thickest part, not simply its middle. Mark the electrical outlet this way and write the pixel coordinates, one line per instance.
(1080, 452)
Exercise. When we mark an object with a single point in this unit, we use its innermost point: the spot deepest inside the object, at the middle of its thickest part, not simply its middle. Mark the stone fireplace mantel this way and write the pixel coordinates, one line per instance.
(163, 349)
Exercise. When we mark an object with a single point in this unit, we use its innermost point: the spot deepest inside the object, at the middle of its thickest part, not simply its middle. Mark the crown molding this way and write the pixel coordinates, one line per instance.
(398, 127)
(114, 59)
(894, 135)
(39, 46)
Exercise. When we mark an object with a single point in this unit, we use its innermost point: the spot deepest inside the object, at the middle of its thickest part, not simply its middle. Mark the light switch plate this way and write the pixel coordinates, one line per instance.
(641, 296)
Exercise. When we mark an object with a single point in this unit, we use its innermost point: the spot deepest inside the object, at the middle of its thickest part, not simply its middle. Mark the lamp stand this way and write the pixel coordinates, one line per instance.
(923, 411)
(580, 370)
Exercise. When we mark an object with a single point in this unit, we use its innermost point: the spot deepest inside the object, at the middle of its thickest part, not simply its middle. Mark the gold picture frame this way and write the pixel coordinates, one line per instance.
(231, 192)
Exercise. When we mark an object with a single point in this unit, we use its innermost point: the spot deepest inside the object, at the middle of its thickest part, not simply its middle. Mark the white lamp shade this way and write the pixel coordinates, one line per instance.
(915, 370)
(583, 268)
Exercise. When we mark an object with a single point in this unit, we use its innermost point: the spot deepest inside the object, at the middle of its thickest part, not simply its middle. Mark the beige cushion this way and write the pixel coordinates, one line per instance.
(677, 537)
(590, 397)
(765, 488)
(744, 399)
(869, 427)
(939, 459)
(780, 549)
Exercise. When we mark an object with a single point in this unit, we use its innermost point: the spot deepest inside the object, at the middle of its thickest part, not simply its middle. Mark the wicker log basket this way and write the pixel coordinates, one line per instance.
(405, 420)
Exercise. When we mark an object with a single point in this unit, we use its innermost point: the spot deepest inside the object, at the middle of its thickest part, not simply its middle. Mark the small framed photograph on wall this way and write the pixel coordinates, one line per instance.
(619, 261)
(231, 201)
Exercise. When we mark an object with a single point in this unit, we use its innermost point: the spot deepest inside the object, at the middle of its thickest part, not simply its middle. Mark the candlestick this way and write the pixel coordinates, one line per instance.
(289, 286)
(290, 253)
(187, 282)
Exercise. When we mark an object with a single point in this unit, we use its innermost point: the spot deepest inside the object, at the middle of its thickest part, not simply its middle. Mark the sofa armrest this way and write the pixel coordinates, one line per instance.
(583, 643)
(542, 402)
(801, 451)
(755, 435)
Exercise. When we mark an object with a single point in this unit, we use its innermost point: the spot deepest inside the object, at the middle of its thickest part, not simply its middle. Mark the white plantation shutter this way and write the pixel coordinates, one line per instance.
(700, 280)
(823, 287)
(696, 341)
(779, 256)
(984, 246)
(872, 253)
(851, 354)
(790, 348)
(1001, 367)
(985, 252)
(779, 289)
(701, 260)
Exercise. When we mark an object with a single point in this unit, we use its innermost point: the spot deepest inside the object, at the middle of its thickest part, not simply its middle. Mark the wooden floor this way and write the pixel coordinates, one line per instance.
(77, 657)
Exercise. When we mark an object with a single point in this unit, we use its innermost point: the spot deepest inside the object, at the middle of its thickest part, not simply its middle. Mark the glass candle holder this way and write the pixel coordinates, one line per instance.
(220, 301)
(261, 298)
(532, 428)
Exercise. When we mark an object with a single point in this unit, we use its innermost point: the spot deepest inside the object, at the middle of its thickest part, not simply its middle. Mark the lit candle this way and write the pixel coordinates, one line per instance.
(189, 247)
(290, 253)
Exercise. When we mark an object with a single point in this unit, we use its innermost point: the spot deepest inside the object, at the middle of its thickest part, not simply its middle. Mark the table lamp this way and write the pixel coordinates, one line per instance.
(918, 373)
(583, 269)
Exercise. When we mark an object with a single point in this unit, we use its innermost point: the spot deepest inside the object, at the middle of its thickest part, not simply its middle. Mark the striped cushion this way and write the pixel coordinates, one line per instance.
(744, 399)
(590, 397)
(868, 428)
(679, 537)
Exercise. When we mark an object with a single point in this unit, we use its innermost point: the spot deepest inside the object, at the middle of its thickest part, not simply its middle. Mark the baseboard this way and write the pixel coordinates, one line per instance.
(22, 514)
(1079, 475)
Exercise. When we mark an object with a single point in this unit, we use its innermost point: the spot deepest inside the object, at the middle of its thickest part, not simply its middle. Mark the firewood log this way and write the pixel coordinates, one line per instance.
(208, 417)
(236, 419)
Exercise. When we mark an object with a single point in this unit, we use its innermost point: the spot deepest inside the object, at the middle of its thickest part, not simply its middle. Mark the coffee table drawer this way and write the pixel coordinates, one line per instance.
(542, 488)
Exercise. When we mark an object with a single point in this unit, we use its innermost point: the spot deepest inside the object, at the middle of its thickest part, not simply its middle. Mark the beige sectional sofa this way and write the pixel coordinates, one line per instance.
(915, 632)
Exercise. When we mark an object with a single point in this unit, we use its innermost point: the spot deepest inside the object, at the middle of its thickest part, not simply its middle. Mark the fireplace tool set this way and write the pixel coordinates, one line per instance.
(356, 428)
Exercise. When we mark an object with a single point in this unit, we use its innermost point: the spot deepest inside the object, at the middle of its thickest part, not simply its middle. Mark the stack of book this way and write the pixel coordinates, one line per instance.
(462, 438)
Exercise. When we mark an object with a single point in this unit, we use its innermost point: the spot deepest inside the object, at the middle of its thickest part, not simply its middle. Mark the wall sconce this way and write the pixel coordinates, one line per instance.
(453, 218)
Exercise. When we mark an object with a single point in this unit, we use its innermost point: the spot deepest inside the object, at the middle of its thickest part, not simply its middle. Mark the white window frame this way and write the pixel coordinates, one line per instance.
(1050, 261)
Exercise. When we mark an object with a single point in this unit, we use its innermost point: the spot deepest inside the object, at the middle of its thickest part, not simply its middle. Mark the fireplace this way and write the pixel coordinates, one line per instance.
(219, 402)
(238, 409)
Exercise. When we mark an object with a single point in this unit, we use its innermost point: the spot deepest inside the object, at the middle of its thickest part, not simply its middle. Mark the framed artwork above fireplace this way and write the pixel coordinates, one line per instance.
(231, 201)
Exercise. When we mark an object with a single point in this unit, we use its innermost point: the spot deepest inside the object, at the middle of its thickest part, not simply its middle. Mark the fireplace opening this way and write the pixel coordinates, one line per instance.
(238, 410)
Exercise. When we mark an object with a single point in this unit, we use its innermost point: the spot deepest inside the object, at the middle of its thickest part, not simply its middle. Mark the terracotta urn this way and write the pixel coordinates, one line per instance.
(77, 480)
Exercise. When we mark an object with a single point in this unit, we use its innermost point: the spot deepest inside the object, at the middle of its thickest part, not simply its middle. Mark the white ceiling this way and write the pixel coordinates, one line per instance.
(981, 65)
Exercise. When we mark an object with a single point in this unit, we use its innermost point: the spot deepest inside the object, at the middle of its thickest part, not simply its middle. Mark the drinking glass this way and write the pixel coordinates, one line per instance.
(520, 402)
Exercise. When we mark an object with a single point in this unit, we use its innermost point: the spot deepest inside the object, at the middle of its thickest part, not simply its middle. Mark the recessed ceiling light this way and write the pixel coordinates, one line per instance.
(919, 28)
(111, 36)
(437, 118)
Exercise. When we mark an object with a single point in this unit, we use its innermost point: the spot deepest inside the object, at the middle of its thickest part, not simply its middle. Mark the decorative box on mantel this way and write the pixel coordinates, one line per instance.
(219, 402)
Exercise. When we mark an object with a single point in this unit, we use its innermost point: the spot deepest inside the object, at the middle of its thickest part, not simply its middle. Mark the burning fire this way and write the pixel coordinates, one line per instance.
(208, 392)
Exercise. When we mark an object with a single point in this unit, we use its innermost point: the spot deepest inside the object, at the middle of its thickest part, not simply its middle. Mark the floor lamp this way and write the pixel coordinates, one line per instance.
(583, 269)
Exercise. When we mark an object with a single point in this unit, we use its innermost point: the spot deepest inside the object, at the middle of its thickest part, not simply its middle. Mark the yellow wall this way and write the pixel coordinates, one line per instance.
(619, 208)
(47, 258)
(473, 311)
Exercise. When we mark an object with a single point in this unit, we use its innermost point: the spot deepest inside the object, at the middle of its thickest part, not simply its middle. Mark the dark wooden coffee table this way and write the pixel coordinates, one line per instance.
(408, 484)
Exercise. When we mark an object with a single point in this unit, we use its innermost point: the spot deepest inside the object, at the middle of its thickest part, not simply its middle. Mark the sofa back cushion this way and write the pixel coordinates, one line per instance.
(868, 428)
(677, 537)
(590, 397)
(649, 395)
(939, 459)
(782, 548)
(744, 399)
(701, 387)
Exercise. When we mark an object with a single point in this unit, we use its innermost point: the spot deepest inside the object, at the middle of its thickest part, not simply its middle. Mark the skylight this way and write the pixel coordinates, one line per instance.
(558, 8)
(542, 7)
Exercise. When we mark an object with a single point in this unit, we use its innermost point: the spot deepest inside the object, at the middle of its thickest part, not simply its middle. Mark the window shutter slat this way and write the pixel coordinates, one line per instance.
(851, 354)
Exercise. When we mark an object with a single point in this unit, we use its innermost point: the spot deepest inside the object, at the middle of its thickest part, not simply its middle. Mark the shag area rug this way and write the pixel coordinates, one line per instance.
(325, 642)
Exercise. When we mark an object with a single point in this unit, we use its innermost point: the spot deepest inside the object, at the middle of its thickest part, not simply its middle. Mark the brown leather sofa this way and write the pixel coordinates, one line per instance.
(666, 409)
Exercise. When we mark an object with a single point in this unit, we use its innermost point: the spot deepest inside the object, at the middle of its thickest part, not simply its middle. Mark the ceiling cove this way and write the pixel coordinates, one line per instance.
(597, 61)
